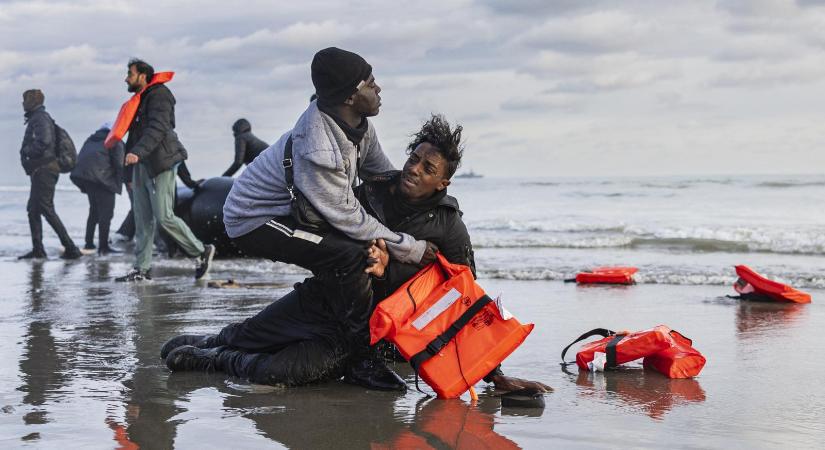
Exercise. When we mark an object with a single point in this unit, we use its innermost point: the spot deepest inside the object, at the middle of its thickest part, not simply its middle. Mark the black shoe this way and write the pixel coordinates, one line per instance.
(195, 340)
(373, 374)
(103, 251)
(34, 254)
(71, 253)
(135, 275)
(89, 247)
(192, 358)
(204, 261)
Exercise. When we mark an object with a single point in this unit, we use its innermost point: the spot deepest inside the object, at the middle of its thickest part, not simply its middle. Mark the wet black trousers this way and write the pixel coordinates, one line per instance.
(338, 264)
(101, 210)
(294, 341)
(41, 203)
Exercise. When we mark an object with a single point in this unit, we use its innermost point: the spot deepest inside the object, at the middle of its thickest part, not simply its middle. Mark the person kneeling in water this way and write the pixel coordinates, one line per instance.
(297, 339)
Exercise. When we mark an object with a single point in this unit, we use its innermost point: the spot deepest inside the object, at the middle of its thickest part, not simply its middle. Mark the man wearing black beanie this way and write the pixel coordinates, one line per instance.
(295, 204)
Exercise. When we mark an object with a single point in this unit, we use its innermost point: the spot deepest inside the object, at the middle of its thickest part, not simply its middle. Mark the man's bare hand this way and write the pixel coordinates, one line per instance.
(131, 158)
(507, 384)
(377, 257)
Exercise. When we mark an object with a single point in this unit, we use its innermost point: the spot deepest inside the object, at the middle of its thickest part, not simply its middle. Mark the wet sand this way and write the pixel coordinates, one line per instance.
(80, 367)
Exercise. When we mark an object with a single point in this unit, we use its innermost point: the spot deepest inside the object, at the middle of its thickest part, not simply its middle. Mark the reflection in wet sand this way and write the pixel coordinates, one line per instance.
(755, 317)
(438, 424)
(641, 390)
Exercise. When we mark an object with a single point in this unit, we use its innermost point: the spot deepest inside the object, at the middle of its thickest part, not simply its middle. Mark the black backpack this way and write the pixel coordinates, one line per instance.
(65, 150)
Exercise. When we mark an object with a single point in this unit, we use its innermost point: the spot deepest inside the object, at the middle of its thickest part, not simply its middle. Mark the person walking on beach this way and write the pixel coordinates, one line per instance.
(38, 154)
(99, 174)
(247, 146)
(295, 202)
(155, 151)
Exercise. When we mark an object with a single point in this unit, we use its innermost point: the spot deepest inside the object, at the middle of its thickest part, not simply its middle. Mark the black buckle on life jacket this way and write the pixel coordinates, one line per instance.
(436, 345)
(287, 162)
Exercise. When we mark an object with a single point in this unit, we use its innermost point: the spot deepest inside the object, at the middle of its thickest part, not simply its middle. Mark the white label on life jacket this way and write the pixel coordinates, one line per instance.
(439, 307)
(502, 311)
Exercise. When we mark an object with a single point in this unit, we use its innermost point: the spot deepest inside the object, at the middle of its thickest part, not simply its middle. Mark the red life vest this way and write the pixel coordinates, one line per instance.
(607, 275)
(127, 112)
(751, 285)
(452, 333)
(664, 350)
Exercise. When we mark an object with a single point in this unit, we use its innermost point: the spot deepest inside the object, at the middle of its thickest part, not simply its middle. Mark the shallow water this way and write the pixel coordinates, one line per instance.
(81, 368)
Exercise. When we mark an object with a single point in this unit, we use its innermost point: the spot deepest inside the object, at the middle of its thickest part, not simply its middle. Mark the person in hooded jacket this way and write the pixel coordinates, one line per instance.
(247, 146)
(295, 202)
(38, 155)
(99, 174)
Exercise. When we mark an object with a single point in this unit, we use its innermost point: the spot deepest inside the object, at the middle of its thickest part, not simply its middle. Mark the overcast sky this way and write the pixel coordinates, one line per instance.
(542, 87)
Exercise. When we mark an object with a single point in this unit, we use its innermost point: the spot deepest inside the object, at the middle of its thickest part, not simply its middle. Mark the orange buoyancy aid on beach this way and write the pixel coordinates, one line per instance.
(752, 285)
(664, 350)
(127, 112)
(607, 275)
(452, 333)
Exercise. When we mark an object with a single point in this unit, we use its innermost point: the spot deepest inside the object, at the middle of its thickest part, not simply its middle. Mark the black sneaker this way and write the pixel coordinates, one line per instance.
(204, 261)
(34, 254)
(71, 253)
(195, 340)
(89, 247)
(372, 373)
(135, 275)
(192, 358)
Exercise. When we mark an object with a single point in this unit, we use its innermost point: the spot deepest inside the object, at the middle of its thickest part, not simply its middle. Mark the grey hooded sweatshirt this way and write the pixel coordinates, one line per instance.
(324, 169)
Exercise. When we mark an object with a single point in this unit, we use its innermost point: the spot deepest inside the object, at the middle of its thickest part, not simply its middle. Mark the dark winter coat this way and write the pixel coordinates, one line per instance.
(441, 225)
(97, 165)
(152, 135)
(247, 146)
(38, 149)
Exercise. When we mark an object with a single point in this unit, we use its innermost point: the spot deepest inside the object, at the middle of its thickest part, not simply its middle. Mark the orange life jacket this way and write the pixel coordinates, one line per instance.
(127, 112)
(452, 333)
(607, 275)
(751, 285)
(664, 350)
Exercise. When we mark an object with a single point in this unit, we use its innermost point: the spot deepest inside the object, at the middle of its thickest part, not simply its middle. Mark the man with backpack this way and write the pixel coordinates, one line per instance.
(46, 151)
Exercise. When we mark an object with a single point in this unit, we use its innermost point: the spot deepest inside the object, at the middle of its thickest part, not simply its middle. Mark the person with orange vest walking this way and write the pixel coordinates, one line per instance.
(155, 151)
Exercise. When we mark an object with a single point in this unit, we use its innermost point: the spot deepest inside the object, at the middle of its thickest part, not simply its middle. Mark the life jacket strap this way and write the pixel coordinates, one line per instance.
(435, 346)
(603, 332)
(610, 350)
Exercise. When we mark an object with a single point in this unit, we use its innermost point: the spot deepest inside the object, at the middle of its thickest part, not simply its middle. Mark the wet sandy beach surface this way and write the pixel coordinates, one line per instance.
(80, 368)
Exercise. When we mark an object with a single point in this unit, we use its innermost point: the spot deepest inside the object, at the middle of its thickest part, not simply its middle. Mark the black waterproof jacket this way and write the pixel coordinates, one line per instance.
(441, 225)
(38, 149)
(97, 165)
(152, 134)
(247, 146)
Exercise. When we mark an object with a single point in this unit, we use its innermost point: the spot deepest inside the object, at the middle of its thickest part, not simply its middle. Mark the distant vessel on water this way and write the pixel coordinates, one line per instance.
(469, 174)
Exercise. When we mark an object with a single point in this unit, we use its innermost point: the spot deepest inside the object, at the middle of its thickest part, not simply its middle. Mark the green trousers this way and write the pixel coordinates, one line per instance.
(154, 199)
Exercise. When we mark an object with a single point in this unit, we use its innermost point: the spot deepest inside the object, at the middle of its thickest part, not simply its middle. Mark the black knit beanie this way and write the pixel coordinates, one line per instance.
(336, 74)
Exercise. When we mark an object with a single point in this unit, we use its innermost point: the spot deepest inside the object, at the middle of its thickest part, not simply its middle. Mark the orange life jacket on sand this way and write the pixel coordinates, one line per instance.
(607, 275)
(752, 286)
(127, 112)
(452, 333)
(664, 350)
